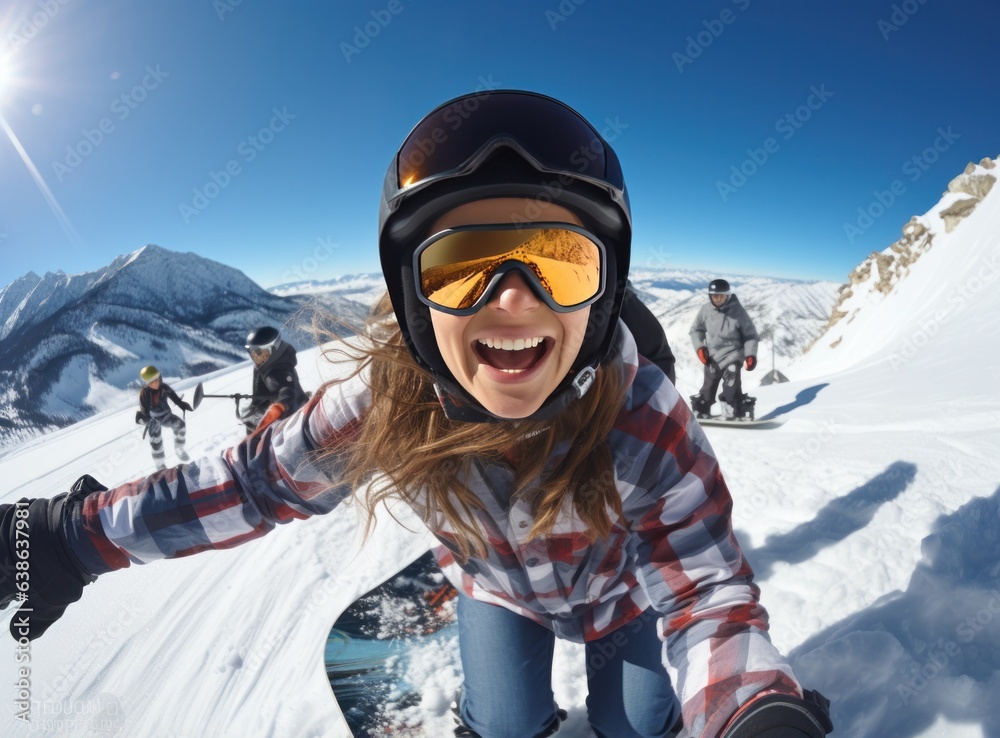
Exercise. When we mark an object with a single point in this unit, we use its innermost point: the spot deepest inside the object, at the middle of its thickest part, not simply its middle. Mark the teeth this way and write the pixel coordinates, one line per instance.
(508, 344)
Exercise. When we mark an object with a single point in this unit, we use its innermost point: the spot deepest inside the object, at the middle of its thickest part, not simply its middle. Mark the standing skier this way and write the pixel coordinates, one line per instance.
(277, 392)
(500, 397)
(155, 413)
(724, 337)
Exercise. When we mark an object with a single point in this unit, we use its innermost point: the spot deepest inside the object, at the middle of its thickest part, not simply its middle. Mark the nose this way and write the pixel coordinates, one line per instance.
(513, 295)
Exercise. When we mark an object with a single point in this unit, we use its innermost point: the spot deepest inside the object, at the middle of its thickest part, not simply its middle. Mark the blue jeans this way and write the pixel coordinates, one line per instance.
(507, 663)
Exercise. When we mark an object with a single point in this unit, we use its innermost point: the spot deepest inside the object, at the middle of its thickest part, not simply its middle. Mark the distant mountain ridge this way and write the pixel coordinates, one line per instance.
(788, 312)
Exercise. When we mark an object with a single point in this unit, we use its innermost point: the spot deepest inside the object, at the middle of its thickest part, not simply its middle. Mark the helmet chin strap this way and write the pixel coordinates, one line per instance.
(459, 405)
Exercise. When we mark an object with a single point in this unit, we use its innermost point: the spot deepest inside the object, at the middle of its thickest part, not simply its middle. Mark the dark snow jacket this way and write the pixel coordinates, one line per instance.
(727, 332)
(276, 380)
(648, 332)
(153, 403)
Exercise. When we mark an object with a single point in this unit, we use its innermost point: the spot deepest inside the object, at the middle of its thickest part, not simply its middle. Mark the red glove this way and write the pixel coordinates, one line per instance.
(703, 355)
(273, 413)
(751, 363)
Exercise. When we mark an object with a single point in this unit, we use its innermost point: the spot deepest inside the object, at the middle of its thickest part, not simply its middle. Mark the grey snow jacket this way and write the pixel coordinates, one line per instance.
(727, 332)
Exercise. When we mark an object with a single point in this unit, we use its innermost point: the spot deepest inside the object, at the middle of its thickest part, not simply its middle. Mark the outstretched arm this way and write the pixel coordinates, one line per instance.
(690, 566)
(217, 502)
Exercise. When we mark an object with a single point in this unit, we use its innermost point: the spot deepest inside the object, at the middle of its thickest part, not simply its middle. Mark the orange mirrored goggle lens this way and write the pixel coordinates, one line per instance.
(456, 269)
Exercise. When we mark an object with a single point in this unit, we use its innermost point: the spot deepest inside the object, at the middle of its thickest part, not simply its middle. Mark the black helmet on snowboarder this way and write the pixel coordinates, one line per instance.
(494, 144)
(261, 342)
(149, 374)
(718, 287)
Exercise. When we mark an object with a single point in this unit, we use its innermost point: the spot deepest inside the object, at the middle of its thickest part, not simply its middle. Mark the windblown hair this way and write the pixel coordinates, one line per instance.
(407, 448)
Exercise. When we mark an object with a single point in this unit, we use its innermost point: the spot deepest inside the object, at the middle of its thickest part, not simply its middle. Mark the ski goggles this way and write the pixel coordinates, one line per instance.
(456, 137)
(260, 350)
(457, 270)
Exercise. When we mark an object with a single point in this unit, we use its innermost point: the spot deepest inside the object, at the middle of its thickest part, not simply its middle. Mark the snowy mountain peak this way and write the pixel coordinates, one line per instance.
(903, 298)
(70, 344)
(882, 271)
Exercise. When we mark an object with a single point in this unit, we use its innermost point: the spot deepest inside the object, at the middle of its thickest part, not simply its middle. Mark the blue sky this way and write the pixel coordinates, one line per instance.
(287, 115)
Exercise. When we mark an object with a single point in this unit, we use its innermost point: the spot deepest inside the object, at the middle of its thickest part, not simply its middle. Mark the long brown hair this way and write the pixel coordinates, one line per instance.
(408, 449)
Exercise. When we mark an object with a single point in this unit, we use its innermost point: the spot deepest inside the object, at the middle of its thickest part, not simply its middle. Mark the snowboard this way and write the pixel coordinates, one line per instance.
(376, 643)
(762, 423)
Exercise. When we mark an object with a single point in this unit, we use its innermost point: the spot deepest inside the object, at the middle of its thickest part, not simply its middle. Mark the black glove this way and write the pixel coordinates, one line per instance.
(140, 418)
(186, 407)
(36, 565)
(782, 716)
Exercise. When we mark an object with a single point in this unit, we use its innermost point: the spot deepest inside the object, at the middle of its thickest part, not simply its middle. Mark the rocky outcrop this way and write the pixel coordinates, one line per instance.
(882, 270)
(957, 212)
(975, 185)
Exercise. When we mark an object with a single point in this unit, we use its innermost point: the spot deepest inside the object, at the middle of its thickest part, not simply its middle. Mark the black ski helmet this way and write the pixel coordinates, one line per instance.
(718, 287)
(264, 338)
(492, 144)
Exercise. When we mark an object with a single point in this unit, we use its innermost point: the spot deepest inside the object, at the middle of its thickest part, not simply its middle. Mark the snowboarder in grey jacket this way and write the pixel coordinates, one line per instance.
(724, 337)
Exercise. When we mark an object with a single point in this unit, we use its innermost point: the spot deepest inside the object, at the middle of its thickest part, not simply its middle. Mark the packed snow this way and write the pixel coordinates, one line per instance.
(870, 515)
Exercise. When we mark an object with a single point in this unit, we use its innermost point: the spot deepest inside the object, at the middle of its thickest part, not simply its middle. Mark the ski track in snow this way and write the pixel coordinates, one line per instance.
(871, 517)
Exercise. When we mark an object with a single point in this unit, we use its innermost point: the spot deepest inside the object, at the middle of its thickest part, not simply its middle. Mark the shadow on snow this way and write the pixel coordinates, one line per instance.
(892, 669)
(804, 397)
(834, 522)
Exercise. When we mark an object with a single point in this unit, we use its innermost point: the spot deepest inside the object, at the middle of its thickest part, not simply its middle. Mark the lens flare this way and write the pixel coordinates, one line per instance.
(53, 204)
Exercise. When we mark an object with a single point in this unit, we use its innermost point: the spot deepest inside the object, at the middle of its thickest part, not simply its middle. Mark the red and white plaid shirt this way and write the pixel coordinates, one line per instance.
(673, 550)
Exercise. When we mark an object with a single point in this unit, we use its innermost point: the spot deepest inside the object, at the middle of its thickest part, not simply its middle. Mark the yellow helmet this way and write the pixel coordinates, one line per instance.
(149, 373)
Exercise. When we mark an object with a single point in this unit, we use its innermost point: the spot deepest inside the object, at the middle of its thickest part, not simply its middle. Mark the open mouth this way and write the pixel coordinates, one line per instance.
(512, 356)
